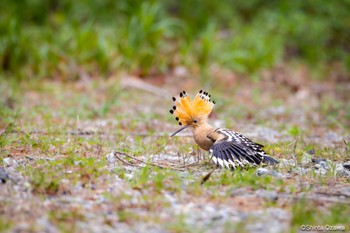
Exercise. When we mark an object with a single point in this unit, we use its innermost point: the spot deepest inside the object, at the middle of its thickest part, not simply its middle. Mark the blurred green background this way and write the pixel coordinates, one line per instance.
(57, 39)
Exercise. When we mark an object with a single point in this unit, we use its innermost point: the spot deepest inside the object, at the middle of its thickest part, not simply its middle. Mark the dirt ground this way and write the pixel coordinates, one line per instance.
(96, 156)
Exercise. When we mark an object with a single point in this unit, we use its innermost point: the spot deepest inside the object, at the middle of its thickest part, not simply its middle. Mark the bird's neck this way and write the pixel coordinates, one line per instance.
(201, 133)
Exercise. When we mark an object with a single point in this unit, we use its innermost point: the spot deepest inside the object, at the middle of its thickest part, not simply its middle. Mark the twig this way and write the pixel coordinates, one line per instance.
(295, 145)
(150, 163)
(125, 162)
(346, 146)
(294, 149)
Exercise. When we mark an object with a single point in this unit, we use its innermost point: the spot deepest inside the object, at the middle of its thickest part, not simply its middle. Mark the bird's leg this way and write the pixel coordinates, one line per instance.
(199, 153)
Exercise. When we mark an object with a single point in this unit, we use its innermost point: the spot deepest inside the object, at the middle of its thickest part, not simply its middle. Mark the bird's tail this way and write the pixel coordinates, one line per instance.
(269, 160)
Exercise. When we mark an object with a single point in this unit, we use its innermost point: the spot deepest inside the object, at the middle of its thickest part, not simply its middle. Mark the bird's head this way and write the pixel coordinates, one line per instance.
(192, 113)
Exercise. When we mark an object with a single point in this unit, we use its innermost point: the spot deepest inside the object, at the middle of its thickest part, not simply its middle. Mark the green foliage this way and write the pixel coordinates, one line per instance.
(47, 177)
(144, 37)
(155, 178)
(8, 124)
(240, 178)
(44, 183)
(294, 131)
(64, 38)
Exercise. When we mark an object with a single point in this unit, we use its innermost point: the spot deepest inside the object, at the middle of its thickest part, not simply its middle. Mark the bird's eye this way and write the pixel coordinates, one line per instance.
(195, 121)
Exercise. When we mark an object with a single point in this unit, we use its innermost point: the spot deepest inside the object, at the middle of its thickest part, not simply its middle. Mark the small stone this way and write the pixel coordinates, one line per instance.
(300, 171)
(321, 171)
(318, 166)
(288, 162)
(7, 161)
(324, 164)
(346, 165)
(111, 158)
(306, 159)
(317, 160)
(339, 170)
(311, 152)
(262, 171)
(4, 176)
(276, 174)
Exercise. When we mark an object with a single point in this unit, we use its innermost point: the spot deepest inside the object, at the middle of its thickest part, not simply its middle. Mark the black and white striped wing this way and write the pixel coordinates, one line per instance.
(235, 150)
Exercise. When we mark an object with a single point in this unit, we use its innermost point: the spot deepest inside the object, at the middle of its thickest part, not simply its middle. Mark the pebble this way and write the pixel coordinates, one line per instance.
(321, 171)
(321, 163)
(9, 162)
(324, 164)
(288, 162)
(321, 167)
(339, 170)
(342, 170)
(264, 171)
(300, 170)
(306, 159)
(317, 160)
(346, 165)
(111, 158)
(4, 176)
(311, 152)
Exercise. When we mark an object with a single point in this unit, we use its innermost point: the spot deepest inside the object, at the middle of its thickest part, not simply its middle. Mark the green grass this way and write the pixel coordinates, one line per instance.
(65, 220)
(239, 178)
(48, 177)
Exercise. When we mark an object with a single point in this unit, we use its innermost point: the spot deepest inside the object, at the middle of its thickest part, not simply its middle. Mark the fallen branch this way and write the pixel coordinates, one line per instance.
(179, 168)
(125, 162)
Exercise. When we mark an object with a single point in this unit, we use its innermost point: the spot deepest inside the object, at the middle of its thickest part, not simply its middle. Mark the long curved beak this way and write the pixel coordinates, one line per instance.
(179, 130)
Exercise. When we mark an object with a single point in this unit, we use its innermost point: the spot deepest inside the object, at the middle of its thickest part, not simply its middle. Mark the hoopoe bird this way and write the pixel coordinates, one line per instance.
(228, 149)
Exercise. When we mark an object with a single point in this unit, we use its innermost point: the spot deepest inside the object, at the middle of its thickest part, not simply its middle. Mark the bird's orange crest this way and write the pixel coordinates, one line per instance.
(185, 109)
